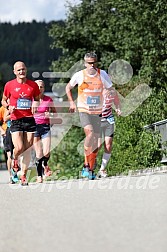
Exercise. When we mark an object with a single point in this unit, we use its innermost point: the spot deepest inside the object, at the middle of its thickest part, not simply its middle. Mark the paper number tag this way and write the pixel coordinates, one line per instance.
(93, 100)
(110, 119)
(23, 104)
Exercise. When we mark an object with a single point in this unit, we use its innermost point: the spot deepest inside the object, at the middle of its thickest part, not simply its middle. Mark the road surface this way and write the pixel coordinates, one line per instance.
(121, 214)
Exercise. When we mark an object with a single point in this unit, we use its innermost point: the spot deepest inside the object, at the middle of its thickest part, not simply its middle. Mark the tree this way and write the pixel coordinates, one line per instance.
(131, 30)
(136, 32)
(6, 74)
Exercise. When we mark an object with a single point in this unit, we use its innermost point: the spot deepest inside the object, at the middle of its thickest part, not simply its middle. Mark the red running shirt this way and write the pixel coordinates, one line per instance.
(21, 97)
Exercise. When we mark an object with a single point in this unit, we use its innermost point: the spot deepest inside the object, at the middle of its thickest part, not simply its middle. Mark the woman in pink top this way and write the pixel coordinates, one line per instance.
(42, 136)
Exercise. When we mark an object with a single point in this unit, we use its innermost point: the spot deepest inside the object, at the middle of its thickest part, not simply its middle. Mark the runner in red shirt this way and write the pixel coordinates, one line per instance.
(23, 97)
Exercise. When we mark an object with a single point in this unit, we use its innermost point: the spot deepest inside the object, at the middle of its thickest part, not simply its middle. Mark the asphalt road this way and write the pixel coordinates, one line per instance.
(127, 214)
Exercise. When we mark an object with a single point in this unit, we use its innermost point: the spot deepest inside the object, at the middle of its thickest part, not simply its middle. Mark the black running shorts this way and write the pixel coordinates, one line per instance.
(25, 124)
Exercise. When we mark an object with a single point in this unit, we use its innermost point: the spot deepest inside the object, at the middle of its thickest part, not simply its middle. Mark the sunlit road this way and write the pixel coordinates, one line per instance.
(126, 214)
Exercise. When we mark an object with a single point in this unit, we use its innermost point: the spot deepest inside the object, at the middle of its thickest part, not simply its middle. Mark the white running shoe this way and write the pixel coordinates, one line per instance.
(102, 174)
(39, 179)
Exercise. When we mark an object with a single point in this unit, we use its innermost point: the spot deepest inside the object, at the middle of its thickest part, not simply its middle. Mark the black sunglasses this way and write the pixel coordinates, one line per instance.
(90, 63)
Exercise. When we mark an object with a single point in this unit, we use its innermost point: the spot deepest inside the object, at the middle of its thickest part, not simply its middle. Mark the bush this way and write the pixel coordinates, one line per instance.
(133, 147)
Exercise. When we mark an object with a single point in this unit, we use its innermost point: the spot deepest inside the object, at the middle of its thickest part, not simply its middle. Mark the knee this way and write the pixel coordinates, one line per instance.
(91, 135)
(108, 148)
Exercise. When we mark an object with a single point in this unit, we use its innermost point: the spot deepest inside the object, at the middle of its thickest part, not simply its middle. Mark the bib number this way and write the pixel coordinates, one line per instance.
(23, 103)
(110, 119)
(93, 100)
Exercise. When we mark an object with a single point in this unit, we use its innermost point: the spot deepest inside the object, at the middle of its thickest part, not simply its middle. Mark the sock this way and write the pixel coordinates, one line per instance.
(87, 152)
(92, 159)
(86, 162)
(105, 159)
(45, 160)
(39, 166)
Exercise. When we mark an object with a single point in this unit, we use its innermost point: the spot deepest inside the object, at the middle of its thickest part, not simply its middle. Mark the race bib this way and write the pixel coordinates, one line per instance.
(93, 100)
(110, 119)
(23, 103)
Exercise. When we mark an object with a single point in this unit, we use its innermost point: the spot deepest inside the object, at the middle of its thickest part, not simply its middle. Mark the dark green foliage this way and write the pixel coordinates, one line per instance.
(28, 42)
(116, 29)
(134, 147)
(136, 32)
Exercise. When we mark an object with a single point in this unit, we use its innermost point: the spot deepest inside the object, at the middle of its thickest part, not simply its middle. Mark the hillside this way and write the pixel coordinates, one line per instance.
(28, 42)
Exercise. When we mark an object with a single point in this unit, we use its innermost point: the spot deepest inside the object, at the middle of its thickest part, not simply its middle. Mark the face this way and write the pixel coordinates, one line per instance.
(41, 86)
(20, 70)
(91, 65)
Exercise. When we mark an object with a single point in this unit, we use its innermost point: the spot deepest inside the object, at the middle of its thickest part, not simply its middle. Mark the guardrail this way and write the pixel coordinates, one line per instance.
(160, 126)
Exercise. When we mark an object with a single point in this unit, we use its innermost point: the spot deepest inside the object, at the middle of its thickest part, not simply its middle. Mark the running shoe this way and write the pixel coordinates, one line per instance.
(102, 174)
(11, 180)
(23, 180)
(85, 171)
(14, 176)
(47, 171)
(39, 179)
(92, 175)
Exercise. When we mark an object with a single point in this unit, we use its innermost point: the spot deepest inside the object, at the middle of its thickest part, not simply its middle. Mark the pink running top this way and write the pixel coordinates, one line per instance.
(42, 114)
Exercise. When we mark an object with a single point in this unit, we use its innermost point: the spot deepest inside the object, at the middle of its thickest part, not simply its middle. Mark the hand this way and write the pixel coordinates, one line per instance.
(11, 109)
(47, 114)
(118, 111)
(72, 108)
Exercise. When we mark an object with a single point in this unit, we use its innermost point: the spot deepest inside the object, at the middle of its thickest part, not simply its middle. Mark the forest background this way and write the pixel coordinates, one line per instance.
(131, 31)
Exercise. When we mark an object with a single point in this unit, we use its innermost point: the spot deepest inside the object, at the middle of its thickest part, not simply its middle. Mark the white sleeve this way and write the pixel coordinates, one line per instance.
(77, 78)
(105, 79)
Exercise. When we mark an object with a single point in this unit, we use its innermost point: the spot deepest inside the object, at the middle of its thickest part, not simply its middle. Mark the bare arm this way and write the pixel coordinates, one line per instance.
(4, 101)
(6, 115)
(35, 104)
(52, 108)
(2, 131)
(52, 114)
(70, 98)
(117, 103)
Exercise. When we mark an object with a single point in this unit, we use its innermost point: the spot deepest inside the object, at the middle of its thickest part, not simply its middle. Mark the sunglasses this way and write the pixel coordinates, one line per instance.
(90, 63)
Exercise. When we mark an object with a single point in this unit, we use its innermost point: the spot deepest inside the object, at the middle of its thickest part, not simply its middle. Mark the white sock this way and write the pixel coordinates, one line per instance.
(105, 159)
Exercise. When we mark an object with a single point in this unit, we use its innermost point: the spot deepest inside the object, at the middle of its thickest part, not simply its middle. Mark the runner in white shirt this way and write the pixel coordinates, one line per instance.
(91, 82)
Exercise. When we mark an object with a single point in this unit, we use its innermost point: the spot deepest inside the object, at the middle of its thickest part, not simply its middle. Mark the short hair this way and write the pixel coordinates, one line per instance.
(40, 81)
(90, 55)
